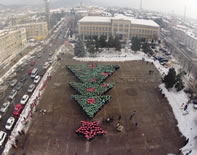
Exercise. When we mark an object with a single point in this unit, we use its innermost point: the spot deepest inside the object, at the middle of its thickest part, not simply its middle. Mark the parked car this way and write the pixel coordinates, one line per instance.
(1, 117)
(33, 62)
(5, 106)
(24, 99)
(37, 79)
(12, 94)
(50, 61)
(31, 88)
(188, 91)
(50, 53)
(3, 136)
(34, 72)
(46, 65)
(13, 83)
(18, 86)
(23, 79)
(30, 70)
(39, 55)
(42, 72)
(13, 75)
(10, 122)
(17, 110)
(195, 103)
(17, 69)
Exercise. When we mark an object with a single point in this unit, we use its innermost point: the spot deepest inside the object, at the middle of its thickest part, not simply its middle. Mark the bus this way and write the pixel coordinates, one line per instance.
(34, 72)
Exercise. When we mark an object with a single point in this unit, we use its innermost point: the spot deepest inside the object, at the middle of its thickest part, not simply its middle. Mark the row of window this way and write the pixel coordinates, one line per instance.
(96, 33)
(143, 31)
(120, 25)
(95, 28)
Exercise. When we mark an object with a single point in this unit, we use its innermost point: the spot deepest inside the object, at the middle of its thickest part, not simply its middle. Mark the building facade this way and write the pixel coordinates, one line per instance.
(35, 31)
(186, 37)
(125, 27)
(11, 41)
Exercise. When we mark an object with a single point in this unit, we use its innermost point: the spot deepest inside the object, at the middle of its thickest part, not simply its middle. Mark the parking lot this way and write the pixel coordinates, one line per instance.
(135, 89)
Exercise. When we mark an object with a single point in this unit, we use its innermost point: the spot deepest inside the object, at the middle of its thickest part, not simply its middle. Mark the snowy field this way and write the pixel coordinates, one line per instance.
(187, 123)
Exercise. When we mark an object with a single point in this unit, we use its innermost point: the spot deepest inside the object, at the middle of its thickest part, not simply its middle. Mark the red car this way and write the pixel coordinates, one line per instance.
(17, 110)
(33, 62)
(30, 70)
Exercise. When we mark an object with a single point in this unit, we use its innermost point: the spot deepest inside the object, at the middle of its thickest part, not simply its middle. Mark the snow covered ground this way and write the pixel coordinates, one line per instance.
(187, 124)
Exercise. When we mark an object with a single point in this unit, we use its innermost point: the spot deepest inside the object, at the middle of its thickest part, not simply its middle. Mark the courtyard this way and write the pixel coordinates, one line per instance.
(135, 90)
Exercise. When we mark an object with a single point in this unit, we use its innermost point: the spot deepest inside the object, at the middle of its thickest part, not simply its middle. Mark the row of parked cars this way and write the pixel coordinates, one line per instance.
(17, 85)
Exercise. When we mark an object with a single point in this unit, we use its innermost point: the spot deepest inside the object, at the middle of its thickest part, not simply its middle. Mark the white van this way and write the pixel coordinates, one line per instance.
(34, 72)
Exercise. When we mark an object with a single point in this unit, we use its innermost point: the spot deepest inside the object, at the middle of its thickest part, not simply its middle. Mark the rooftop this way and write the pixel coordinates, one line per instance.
(118, 17)
(95, 19)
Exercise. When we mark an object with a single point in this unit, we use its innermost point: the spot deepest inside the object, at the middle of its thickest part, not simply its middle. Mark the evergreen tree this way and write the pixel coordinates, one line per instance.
(79, 50)
(146, 48)
(110, 42)
(89, 42)
(117, 44)
(170, 78)
(135, 44)
(179, 85)
(97, 45)
(102, 41)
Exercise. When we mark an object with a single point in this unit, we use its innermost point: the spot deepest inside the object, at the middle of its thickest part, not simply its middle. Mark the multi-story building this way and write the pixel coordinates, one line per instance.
(11, 41)
(125, 27)
(186, 37)
(35, 31)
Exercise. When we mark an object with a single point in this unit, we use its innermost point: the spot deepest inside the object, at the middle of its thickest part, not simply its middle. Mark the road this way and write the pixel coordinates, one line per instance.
(56, 43)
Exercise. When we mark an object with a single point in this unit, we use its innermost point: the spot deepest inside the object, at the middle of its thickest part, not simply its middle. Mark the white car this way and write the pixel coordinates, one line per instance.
(37, 79)
(3, 136)
(13, 83)
(5, 106)
(12, 94)
(10, 123)
(46, 65)
(31, 88)
(24, 99)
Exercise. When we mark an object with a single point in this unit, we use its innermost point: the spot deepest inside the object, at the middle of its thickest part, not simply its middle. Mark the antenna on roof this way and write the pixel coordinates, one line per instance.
(185, 9)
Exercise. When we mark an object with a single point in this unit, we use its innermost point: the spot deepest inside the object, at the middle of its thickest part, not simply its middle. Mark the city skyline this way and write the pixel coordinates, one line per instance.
(167, 6)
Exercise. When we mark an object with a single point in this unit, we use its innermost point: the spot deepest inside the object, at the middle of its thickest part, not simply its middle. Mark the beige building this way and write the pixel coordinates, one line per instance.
(186, 37)
(11, 41)
(35, 31)
(124, 27)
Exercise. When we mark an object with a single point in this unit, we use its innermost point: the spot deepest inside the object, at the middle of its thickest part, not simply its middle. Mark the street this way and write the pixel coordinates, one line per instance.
(40, 58)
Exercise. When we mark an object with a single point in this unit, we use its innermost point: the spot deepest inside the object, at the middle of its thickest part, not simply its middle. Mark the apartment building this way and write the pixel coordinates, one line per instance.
(186, 37)
(123, 26)
(35, 31)
(11, 41)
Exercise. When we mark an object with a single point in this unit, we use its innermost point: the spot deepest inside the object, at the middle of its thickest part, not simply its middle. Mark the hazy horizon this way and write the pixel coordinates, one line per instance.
(168, 6)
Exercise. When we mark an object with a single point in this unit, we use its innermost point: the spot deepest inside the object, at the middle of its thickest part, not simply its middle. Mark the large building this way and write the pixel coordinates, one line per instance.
(125, 27)
(35, 31)
(186, 37)
(11, 41)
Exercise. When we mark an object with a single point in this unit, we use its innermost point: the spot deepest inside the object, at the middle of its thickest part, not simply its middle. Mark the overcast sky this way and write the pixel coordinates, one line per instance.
(170, 6)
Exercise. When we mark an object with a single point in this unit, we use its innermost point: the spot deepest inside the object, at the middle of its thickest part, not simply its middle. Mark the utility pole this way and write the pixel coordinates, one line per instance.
(185, 10)
(140, 4)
